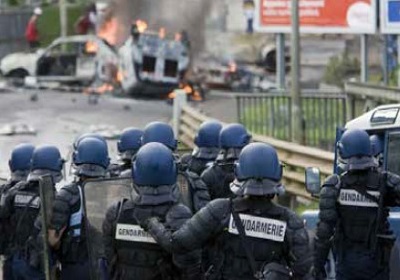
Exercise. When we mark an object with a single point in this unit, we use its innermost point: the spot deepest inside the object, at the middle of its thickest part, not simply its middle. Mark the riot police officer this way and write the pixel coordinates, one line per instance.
(22, 207)
(353, 214)
(20, 165)
(128, 145)
(130, 251)
(255, 236)
(207, 147)
(67, 233)
(193, 191)
(217, 177)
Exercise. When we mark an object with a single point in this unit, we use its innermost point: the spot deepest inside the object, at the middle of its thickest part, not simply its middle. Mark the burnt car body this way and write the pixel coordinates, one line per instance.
(153, 65)
(68, 60)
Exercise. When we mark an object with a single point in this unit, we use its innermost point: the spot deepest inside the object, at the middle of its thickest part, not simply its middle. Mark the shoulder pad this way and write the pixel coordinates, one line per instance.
(192, 175)
(69, 193)
(208, 175)
(392, 180)
(332, 181)
(178, 212)
(219, 208)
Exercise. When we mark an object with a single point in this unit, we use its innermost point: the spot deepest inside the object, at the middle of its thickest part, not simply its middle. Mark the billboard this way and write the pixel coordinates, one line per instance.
(390, 16)
(318, 16)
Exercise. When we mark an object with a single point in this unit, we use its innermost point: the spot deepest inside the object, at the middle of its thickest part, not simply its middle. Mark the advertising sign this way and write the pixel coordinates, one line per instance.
(318, 16)
(390, 16)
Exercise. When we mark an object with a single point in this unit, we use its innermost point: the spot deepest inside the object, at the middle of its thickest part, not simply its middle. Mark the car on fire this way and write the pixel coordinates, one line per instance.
(69, 60)
(152, 63)
(385, 122)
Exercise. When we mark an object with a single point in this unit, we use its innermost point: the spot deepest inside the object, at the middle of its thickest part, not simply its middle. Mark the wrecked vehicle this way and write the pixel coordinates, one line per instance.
(151, 63)
(76, 60)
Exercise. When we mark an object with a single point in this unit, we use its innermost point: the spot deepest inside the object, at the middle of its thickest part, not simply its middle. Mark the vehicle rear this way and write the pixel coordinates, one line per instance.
(158, 64)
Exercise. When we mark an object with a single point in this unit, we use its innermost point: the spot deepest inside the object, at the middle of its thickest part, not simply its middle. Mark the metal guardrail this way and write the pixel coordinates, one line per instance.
(295, 157)
(270, 114)
(362, 97)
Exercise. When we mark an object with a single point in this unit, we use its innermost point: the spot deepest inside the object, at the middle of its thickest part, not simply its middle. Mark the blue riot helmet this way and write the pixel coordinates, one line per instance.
(160, 132)
(46, 160)
(377, 147)
(258, 171)
(354, 148)
(21, 156)
(87, 135)
(232, 139)
(234, 136)
(154, 166)
(129, 143)
(208, 135)
(91, 158)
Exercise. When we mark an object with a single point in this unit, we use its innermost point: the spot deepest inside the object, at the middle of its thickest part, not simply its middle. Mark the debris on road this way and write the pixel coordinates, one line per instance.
(17, 129)
(109, 132)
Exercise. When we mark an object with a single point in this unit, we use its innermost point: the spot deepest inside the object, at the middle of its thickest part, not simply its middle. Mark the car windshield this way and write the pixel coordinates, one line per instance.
(385, 116)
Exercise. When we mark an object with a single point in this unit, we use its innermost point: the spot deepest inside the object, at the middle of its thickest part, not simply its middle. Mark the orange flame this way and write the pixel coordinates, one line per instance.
(120, 76)
(99, 90)
(141, 25)
(178, 36)
(91, 47)
(189, 90)
(162, 33)
(232, 67)
(109, 31)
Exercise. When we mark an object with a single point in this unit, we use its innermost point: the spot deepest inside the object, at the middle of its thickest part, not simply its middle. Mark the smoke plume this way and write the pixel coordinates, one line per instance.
(174, 15)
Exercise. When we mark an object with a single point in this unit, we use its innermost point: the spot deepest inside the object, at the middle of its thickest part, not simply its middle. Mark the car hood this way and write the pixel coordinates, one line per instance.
(17, 60)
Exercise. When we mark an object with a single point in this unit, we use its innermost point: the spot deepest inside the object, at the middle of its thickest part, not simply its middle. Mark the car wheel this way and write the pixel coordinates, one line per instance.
(17, 77)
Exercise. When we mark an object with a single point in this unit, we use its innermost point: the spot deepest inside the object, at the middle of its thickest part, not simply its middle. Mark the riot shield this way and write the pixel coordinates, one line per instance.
(185, 189)
(99, 196)
(47, 192)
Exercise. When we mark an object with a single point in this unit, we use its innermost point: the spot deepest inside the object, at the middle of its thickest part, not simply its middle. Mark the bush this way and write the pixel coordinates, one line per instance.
(340, 68)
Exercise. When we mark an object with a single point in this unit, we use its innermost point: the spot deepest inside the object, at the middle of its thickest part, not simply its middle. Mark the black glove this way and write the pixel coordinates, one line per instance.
(142, 217)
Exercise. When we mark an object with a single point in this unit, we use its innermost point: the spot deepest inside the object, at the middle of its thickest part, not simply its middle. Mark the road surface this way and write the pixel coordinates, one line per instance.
(60, 117)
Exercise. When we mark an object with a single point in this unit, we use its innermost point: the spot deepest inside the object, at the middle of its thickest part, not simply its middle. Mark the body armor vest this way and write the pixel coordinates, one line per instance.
(358, 208)
(264, 248)
(138, 254)
(26, 203)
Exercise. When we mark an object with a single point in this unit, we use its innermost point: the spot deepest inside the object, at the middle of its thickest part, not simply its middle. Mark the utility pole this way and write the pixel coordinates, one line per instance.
(63, 18)
(280, 61)
(296, 110)
(364, 58)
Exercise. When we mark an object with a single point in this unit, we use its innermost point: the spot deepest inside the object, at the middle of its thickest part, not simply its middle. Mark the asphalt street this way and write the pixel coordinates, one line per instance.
(60, 117)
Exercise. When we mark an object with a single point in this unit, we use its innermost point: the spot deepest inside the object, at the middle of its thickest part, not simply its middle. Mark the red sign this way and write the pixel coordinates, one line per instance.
(318, 16)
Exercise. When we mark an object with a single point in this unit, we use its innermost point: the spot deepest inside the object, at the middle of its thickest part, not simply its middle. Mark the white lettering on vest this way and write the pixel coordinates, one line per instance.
(354, 198)
(259, 227)
(24, 200)
(133, 233)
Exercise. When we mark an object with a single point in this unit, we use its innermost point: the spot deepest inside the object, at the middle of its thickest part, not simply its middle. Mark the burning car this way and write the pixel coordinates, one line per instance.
(151, 63)
(77, 60)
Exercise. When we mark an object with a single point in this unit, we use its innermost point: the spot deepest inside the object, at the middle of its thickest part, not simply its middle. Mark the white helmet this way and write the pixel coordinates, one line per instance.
(37, 11)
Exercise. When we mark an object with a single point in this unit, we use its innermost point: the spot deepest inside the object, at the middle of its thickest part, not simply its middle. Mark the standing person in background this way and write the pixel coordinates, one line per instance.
(87, 22)
(31, 32)
(248, 10)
